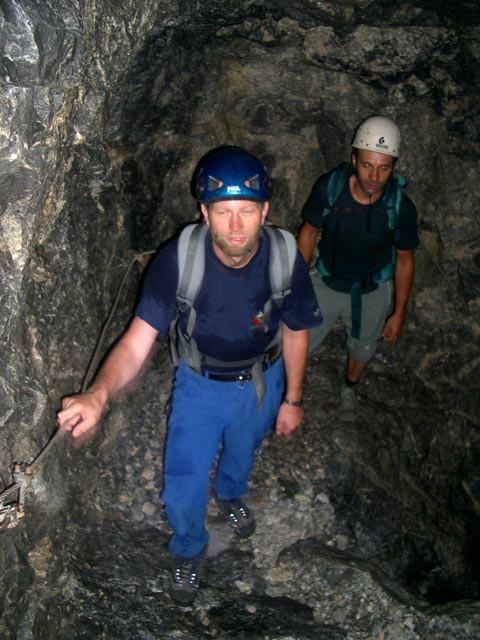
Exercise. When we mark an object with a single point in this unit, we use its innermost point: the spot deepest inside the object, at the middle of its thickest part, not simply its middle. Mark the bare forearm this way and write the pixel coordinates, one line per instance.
(81, 412)
(404, 273)
(295, 352)
(307, 240)
(295, 349)
(121, 368)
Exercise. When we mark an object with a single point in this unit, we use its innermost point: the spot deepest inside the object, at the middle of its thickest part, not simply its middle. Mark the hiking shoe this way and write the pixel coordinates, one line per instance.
(239, 516)
(185, 580)
(349, 407)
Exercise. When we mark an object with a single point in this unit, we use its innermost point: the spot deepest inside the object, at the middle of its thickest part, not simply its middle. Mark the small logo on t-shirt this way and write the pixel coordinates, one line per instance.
(258, 320)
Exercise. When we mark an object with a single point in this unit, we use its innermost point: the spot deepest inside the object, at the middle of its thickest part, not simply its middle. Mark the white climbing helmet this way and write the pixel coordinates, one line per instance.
(380, 134)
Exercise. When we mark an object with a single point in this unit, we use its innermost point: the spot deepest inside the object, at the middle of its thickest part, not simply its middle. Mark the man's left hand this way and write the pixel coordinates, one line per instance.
(288, 419)
(393, 328)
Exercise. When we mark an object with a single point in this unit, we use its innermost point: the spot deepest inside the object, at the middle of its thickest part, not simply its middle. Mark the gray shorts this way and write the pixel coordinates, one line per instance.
(335, 305)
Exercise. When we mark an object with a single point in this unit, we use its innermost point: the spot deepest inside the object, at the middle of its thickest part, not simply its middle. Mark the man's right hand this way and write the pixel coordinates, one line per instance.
(82, 412)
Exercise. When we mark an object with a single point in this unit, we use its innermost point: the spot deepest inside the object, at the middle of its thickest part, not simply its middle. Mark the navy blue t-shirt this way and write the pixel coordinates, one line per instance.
(229, 305)
(356, 239)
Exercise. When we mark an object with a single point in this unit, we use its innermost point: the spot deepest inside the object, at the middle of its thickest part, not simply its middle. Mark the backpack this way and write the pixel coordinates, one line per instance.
(393, 199)
(191, 270)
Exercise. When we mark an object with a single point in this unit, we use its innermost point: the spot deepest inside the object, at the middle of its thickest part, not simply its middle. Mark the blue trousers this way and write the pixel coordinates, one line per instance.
(207, 415)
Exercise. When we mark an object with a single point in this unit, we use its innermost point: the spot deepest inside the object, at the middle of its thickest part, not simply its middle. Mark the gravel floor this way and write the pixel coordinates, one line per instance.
(326, 559)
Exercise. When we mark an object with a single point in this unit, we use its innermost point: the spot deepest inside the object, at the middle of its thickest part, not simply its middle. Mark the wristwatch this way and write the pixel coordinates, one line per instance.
(293, 403)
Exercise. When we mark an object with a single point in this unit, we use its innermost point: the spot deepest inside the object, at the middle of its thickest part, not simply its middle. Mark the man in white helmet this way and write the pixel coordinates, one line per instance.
(366, 251)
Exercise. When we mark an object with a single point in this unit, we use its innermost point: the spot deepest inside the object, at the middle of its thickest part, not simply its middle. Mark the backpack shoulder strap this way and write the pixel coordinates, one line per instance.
(191, 270)
(394, 199)
(336, 182)
(335, 185)
(283, 252)
(191, 264)
(393, 204)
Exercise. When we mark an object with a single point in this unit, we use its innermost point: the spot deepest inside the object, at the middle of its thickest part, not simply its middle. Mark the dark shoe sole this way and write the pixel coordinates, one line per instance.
(244, 532)
(182, 597)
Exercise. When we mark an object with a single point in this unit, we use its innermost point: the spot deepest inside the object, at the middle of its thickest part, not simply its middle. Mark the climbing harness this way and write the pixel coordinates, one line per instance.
(11, 510)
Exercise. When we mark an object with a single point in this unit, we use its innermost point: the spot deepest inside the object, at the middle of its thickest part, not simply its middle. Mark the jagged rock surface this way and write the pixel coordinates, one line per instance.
(364, 531)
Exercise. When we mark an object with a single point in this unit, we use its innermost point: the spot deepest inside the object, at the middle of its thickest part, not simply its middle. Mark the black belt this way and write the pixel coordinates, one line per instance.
(236, 376)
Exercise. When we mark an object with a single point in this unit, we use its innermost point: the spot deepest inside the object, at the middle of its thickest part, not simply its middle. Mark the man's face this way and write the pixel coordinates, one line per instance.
(373, 169)
(236, 227)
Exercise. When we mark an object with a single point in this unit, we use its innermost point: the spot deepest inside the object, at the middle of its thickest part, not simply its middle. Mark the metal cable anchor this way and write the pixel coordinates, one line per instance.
(11, 514)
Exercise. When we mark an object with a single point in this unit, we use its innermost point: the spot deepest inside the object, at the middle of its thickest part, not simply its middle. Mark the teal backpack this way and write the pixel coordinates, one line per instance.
(393, 198)
(191, 271)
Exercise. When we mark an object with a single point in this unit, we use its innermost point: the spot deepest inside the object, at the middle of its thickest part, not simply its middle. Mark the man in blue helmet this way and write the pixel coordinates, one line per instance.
(242, 355)
(368, 232)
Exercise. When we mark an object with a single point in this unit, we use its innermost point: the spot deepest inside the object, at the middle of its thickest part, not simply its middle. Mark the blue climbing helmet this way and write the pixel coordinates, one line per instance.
(231, 173)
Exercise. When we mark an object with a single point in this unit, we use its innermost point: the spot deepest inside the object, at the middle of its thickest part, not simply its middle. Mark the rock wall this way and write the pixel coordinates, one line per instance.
(105, 110)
